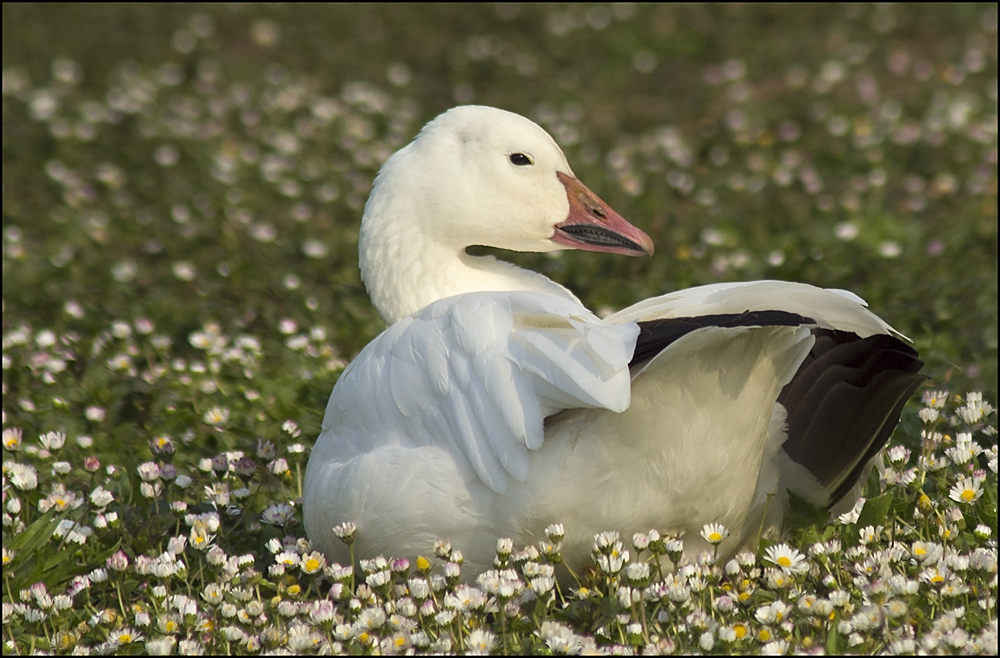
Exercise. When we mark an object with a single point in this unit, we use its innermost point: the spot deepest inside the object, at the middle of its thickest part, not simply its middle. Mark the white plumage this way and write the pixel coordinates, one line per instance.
(496, 404)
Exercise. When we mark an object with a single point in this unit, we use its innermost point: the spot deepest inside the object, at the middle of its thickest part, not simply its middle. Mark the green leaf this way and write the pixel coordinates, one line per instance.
(875, 511)
(835, 644)
(806, 518)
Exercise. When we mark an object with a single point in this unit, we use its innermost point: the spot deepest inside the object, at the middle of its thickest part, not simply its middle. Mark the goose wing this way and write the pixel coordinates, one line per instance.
(478, 373)
(839, 404)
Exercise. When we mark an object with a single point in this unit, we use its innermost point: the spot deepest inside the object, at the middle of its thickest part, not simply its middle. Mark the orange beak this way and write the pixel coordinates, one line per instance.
(592, 224)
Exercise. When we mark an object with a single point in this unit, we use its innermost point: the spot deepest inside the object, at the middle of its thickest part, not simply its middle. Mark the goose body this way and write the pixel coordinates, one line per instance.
(496, 404)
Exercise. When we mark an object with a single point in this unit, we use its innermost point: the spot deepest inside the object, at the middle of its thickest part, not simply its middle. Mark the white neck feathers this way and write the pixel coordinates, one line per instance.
(406, 266)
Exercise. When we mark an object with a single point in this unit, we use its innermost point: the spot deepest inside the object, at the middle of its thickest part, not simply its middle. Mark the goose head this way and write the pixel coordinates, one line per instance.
(477, 176)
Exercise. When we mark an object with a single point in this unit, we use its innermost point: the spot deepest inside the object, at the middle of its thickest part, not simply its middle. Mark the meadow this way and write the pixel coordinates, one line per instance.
(182, 189)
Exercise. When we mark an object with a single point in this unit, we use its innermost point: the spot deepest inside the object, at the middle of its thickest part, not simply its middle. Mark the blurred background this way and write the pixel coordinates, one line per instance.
(193, 164)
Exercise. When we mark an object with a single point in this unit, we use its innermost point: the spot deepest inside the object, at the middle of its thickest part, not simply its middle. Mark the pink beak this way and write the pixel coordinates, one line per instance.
(594, 226)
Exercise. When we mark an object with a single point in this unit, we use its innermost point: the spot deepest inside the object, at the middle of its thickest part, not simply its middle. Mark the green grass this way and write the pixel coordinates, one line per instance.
(182, 190)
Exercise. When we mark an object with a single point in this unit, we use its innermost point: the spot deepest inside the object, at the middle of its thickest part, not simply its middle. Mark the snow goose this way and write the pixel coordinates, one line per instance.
(495, 404)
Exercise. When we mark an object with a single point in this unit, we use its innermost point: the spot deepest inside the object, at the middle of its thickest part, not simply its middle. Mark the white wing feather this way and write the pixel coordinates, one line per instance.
(478, 374)
(830, 308)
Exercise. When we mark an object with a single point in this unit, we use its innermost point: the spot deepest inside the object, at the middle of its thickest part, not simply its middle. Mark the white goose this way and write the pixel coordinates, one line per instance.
(496, 404)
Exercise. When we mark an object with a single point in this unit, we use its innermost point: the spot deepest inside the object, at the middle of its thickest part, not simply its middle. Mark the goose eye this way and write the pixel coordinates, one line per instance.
(519, 159)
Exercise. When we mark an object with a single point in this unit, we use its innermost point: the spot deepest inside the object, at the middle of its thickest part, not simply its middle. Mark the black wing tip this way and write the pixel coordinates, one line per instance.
(844, 403)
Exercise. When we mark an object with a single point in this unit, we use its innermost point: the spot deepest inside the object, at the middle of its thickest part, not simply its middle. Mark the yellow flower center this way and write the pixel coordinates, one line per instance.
(968, 495)
(714, 537)
(784, 561)
(124, 638)
(764, 635)
(312, 564)
(423, 563)
(741, 631)
(920, 551)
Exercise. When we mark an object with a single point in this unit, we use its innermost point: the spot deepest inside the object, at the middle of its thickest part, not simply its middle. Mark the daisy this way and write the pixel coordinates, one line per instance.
(964, 450)
(935, 399)
(975, 409)
(638, 572)
(52, 440)
(505, 546)
(302, 637)
(200, 539)
(855, 513)
(480, 642)
(125, 636)
(287, 558)
(216, 416)
(22, 476)
(345, 532)
(607, 542)
(714, 533)
(278, 514)
(559, 638)
(928, 415)
(967, 490)
(12, 439)
(60, 499)
(312, 562)
(786, 557)
(898, 454)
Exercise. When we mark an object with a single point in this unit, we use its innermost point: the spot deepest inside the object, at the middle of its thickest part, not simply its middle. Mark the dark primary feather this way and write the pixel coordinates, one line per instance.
(843, 402)
(657, 335)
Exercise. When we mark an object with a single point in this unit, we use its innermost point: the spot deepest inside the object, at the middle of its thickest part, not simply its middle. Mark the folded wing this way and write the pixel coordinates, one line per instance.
(478, 374)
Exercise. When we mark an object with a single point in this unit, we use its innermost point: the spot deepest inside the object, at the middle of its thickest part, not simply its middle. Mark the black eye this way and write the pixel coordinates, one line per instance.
(519, 159)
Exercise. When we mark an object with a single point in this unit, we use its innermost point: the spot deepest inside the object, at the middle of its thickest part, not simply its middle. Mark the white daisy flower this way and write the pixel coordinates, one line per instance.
(22, 476)
(216, 416)
(480, 642)
(786, 557)
(967, 490)
(52, 440)
(714, 533)
(312, 562)
(12, 439)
